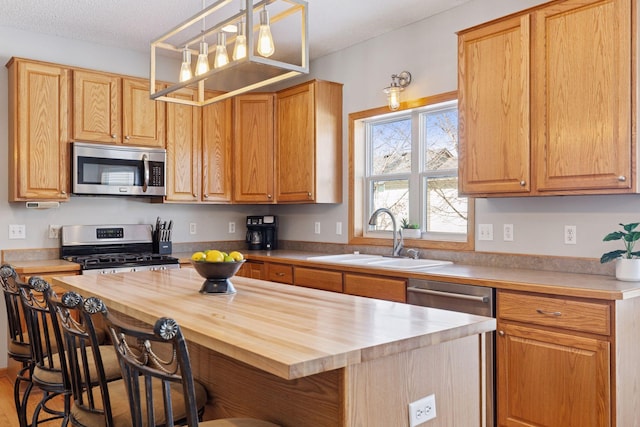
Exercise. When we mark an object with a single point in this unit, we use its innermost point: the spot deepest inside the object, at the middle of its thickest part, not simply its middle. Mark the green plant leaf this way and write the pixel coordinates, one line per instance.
(632, 236)
(630, 227)
(610, 256)
(616, 235)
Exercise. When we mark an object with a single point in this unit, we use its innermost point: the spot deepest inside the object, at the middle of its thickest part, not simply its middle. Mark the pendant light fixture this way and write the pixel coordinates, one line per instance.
(240, 46)
(254, 62)
(398, 83)
(185, 69)
(221, 57)
(265, 39)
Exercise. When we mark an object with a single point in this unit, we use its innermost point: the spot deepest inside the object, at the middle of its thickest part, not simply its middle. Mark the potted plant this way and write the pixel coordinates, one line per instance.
(627, 261)
(409, 230)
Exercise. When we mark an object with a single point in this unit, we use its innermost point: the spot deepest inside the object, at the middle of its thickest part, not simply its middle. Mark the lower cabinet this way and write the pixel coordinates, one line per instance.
(281, 273)
(386, 288)
(252, 269)
(316, 278)
(553, 360)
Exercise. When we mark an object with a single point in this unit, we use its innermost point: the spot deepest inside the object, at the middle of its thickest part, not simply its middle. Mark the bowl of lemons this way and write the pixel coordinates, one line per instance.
(217, 267)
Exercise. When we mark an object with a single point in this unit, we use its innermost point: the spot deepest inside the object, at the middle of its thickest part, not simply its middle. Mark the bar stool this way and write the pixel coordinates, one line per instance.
(157, 371)
(19, 347)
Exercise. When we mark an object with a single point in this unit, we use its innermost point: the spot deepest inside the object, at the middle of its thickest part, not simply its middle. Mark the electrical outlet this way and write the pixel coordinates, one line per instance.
(507, 232)
(17, 231)
(232, 227)
(570, 237)
(193, 228)
(54, 231)
(422, 410)
(485, 231)
(316, 227)
(338, 228)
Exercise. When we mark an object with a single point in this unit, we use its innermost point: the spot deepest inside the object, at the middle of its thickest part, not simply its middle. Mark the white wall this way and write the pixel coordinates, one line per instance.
(428, 49)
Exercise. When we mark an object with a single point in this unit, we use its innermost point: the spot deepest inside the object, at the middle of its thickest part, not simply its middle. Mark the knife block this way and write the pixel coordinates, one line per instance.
(162, 248)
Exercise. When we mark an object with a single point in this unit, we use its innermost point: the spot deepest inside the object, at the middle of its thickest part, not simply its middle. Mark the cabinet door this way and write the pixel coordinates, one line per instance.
(39, 97)
(296, 144)
(551, 379)
(183, 149)
(582, 96)
(493, 103)
(216, 151)
(254, 270)
(376, 287)
(318, 279)
(142, 117)
(96, 107)
(253, 172)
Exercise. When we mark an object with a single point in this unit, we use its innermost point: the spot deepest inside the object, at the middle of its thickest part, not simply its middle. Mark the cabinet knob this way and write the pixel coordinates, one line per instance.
(269, 196)
(127, 137)
(309, 194)
(523, 183)
(501, 333)
(113, 135)
(64, 193)
(206, 196)
(622, 178)
(195, 194)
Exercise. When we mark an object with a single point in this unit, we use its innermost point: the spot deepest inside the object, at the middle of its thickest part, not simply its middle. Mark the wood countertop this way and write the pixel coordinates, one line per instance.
(289, 331)
(548, 282)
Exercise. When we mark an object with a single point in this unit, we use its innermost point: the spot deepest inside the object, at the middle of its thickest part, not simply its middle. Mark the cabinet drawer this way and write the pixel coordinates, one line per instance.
(280, 273)
(376, 287)
(318, 279)
(577, 315)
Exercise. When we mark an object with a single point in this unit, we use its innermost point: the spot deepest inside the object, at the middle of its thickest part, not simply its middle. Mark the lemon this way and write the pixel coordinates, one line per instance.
(227, 258)
(237, 256)
(214, 256)
(198, 256)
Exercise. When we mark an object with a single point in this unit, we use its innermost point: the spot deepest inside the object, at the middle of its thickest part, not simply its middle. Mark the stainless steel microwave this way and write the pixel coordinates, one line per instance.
(118, 170)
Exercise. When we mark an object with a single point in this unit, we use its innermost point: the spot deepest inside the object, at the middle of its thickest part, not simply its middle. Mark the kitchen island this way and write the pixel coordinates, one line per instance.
(303, 357)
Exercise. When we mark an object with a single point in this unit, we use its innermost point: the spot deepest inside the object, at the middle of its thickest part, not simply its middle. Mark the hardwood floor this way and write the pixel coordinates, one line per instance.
(8, 416)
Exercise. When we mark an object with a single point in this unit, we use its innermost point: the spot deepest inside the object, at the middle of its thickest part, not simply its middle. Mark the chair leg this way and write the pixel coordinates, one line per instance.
(42, 407)
(21, 402)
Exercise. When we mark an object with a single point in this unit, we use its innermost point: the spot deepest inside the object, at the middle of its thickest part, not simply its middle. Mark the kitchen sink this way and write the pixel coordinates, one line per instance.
(379, 261)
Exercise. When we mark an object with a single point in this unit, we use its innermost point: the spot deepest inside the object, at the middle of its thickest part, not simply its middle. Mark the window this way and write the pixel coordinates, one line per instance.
(407, 162)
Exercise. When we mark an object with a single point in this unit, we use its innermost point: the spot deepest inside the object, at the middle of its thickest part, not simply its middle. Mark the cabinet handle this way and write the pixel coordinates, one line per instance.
(622, 178)
(549, 313)
(501, 333)
(279, 274)
(113, 135)
(523, 183)
(127, 137)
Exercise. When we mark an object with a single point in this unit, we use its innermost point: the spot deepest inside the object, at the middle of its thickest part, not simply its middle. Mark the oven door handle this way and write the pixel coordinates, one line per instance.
(145, 161)
(448, 294)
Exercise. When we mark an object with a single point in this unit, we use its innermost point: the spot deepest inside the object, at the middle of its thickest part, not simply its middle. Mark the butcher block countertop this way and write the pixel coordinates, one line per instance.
(548, 282)
(288, 331)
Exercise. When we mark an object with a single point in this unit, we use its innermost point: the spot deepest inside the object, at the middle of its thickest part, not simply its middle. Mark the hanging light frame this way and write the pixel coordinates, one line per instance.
(288, 69)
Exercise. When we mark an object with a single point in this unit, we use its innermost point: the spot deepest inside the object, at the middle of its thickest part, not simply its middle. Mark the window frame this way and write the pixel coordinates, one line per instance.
(359, 196)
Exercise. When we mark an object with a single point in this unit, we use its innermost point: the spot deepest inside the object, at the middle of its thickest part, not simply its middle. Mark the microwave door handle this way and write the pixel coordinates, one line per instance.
(145, 160)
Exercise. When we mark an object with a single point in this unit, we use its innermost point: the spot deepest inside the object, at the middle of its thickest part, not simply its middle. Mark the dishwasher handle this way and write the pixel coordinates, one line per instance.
(483, 299)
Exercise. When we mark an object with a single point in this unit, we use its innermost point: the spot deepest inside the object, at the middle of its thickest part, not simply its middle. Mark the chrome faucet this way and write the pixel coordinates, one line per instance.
(397, 241)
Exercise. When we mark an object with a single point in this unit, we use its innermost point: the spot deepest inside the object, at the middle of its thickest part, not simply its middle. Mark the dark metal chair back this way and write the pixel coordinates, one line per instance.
(89, 383)
(11, 289)
(142, 364)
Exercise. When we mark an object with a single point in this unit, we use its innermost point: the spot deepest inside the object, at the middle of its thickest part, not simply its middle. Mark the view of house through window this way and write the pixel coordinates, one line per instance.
(411, 168)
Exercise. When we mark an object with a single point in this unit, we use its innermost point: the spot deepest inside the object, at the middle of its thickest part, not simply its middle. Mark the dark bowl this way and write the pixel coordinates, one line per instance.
(217, 275)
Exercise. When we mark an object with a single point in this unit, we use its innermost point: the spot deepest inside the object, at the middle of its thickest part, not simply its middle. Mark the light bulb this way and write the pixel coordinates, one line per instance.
(221, 58)
(240, 47)
(202, 66)
(265, 40)
(393, 97)
(185, 69)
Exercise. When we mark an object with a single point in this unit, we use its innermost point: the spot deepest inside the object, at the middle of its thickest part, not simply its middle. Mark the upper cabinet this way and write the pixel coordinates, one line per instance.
(114, 110)
(253, 163)
(216, 151)
(545, 102)
(39, 102)
(309, 143)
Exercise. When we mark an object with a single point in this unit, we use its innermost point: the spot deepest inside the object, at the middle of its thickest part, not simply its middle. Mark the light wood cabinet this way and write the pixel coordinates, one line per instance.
(253, 162)
(183, 149)
(39, 104)
(216, 152)
(553, 361)
(281, 273)
(386, 288)
(316, 278)
(252, 269)
(309, 143)
(114, 110)
(545, 101)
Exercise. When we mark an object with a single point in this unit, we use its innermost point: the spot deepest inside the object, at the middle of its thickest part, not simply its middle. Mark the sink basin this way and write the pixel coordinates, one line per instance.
(379, 261)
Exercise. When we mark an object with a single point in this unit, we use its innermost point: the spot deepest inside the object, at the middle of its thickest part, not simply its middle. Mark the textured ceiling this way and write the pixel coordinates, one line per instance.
(132, 24)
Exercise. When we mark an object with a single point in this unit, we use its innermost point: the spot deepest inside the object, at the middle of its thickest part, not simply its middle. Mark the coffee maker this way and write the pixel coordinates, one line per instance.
(262, 232)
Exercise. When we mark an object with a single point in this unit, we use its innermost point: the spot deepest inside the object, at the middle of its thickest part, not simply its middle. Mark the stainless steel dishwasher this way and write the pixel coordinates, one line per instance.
(470, 299)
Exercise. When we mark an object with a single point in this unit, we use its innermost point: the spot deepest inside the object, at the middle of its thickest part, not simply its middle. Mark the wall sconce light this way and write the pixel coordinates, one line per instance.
(398, 83)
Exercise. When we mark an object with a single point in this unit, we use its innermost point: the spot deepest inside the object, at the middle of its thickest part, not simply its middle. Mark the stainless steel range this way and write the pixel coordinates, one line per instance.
(105, 249)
